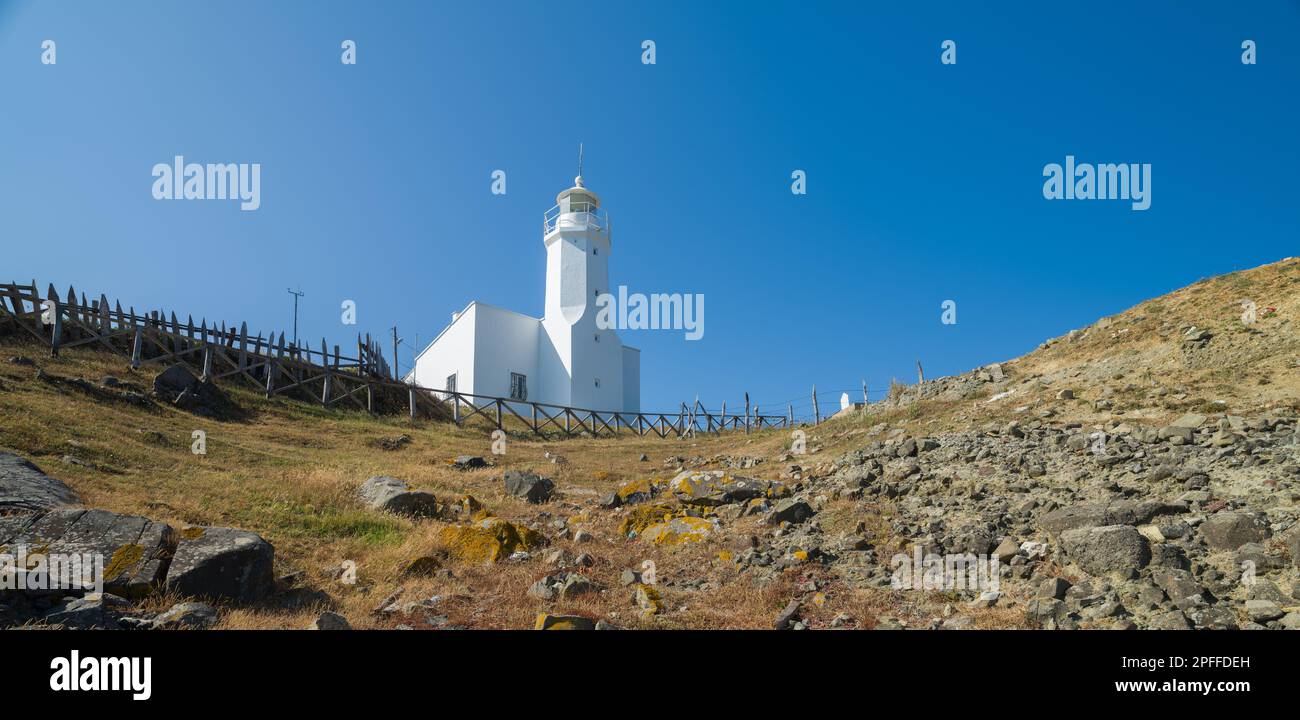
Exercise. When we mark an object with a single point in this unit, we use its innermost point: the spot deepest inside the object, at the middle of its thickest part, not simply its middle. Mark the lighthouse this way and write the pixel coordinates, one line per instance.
(562, 358)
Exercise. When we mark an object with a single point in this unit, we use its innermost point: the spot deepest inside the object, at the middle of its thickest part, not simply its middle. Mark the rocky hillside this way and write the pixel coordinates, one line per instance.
(1139, 472)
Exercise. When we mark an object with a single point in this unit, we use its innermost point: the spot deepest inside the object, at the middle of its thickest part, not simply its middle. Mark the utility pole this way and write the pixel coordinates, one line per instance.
(396, 340)
(296, 294)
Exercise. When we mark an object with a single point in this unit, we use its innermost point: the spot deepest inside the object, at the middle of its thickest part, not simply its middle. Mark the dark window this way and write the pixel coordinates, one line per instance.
(518, 386)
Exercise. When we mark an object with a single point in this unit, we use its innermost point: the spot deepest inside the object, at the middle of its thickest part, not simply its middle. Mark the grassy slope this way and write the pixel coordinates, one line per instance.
(290, 469)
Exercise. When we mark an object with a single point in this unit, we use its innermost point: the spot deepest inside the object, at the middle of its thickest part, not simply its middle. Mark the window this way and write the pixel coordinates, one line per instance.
(451, 382)
(595, 251)
(597, 336)
(518, 386)
(597, 382)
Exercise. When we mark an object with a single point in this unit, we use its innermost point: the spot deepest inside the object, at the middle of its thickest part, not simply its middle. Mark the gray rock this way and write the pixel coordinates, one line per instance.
(1108, 549)
(530, 486)
(787, 615)
(712, 488)
(1124, 512)
(1229, 530)
(135, 551)
(186, 616)
(791, 511)
(24, 488)
(468, 462)
(331, 621)
(84, 613)
(562, 586)
(392, 495)
(1170, 620)
(222, 564)
(1263, 610)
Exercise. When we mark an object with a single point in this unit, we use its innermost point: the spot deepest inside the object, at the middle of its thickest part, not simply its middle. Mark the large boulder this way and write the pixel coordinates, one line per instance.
(222, 564)
(179, 386)
(530, 486)
(392, 495)
(24, 488)
(489, 540)
(1122, 512)
(1230, 529)
(134, 551)
(1108, 549)
(711, 488)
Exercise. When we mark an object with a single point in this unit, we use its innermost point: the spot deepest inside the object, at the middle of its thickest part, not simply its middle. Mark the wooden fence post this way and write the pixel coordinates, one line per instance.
(746, 413)
(817, 412)
(56, 325)
(137, 346)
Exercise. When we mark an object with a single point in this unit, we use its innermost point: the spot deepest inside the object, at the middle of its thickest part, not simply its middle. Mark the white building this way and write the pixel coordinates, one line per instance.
(560, 359)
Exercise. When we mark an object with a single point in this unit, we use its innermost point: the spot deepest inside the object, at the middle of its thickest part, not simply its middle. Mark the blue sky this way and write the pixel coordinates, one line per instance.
(924, 180)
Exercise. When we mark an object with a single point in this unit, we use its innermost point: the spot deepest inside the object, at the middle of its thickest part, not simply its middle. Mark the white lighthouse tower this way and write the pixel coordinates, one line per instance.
(561, 359)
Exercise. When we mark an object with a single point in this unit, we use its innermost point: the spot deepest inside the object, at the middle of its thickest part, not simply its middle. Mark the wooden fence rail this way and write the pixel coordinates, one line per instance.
(325, 376)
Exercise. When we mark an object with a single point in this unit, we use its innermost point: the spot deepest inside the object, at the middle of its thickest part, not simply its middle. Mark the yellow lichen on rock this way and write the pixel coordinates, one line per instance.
(124, 558)
(647, 598)
(640, 490)
(638, 519)
(471, 508)
(678, 530)
(488, 540)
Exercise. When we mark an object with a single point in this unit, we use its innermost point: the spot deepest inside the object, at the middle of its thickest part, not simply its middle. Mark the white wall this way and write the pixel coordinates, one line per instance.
(631, 379)
(451, 352)
(506, 342)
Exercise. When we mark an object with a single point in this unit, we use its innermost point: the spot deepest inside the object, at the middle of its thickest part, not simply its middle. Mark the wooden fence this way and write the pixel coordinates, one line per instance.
(325, 376)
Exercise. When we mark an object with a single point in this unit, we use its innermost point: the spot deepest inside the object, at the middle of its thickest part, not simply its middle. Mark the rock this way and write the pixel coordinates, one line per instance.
(529, 486)
(1053, 588)
(392, 443)
(1124, 512)
(712, 488)
(791, 511)
(562, 586)
(220, 563)
(629, 577)
(186, 615)
(392, 495)
(468, 462)
(24, 488)
(787, 615)
(488, 540)
(330, 621)
(636, 491)
(1229, 530)
(1006, 550)
(179, 386)
(1263, 610)
(134, 550)
(1190, 421)
(678, 530)
(582, 536)
(1171, 620)
(546, 621)
(84, 613)
(1107, 549)
(1065, 394)
(647, 598)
